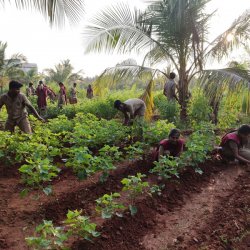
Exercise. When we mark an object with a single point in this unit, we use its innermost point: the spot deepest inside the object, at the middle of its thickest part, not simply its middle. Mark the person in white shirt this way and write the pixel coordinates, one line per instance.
(131, 109)
(170, 88)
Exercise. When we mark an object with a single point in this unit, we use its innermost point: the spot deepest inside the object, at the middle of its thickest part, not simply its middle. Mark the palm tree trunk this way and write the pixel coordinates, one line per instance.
(183, 95)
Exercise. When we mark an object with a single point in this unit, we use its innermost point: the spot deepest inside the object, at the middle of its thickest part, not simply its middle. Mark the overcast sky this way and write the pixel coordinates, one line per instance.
(27, 32)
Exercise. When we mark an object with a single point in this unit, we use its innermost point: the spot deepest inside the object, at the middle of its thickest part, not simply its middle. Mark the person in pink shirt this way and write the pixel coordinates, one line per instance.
(234, 145)
(42, 93)
(173, 146)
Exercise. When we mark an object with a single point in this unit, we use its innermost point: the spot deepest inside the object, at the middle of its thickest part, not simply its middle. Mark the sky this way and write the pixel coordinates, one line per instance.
(28, 33)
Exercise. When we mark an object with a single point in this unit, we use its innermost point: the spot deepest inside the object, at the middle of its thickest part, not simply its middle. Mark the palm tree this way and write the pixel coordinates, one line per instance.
(9, 68)
(56, 11)
(29, 76)
(63, 72)
(173, 31)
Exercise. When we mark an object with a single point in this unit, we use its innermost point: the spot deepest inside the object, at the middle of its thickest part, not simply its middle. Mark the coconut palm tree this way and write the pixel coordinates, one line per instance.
(29, 76)
(9, 68)
(173, 31)
(56, 11)
(63, 72)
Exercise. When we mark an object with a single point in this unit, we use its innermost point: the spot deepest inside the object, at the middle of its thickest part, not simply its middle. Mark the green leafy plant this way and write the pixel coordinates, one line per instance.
(108, 207)
(80, 225)
(198, 108)
(80, 159)
(154, 132)
(199, 144)
(167, 167)
(135, 187)
(136, 151)
(37, 171)
(168, 109)
(48, 236)
(104, 162)
(157, 189)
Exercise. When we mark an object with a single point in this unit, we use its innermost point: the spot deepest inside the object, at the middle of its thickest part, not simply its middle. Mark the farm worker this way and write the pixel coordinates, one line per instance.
(42, 92)
(30, 90)
(131, 109)
(51, 94)
(62, 99)
(90, 92)
(170, 88)
(234, 145)
(16, 104)
(173, 146)
(73, 94)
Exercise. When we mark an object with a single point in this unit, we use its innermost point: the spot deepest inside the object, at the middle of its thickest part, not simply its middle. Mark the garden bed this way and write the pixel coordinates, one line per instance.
(188, 214)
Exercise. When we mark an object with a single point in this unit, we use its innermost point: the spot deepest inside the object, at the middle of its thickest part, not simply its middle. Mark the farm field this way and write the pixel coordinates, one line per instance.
(139, 139)
(199, 204)
(209, 211)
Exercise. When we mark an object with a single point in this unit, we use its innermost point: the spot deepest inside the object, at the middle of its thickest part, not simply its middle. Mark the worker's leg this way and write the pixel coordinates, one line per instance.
(10, 126)
(138, 126)
(24, 126)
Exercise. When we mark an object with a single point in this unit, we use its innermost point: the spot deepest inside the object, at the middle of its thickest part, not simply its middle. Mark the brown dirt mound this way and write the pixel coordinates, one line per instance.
(157, 217)
(143, 230)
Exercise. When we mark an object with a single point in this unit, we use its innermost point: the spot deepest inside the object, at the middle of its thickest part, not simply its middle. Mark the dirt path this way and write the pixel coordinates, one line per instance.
(176, 228)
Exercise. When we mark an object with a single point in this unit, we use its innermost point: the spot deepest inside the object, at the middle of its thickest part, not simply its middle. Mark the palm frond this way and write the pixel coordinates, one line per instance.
(236, 35)
(116, 29)
(221, 82)
(56, 11)
(148, 98)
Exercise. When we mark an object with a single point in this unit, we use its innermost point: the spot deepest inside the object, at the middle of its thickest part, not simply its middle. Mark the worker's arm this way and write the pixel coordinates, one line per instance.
(1, 102)
(174, 92)
(165, 89)
(235, 150)
(32, 109)
(163, 152)
(130, 111)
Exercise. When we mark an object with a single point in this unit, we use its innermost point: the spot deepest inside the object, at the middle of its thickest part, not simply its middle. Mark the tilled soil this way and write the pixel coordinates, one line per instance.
(194, 213)
(209, 211)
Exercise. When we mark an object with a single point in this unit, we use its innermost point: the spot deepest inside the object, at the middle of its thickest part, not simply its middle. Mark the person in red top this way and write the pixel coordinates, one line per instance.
(42, 93)
(173, 146)
(234, 145)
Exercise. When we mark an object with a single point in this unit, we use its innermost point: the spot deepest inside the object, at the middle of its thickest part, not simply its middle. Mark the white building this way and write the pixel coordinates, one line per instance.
(29, 66)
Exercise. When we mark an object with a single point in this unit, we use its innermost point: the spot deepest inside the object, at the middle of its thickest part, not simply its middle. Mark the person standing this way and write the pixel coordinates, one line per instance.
(62, 99)
(30, 90)
(90, 92)
(131, 109)
(51, 94)
(42, 93)
(16, 104)
(170, 88)
(73, 94)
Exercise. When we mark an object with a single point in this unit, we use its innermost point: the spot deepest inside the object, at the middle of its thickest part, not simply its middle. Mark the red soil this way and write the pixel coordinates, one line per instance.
(209, 211)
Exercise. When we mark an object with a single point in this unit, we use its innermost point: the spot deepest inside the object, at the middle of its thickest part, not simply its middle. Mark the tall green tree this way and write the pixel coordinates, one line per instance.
(63, 72)
(173, 31)
(56, 11)
(9, 68)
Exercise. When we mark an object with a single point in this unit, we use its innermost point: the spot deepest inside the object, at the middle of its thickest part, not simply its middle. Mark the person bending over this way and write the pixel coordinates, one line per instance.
(173, 146)
(131, 109)
(234, 145)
